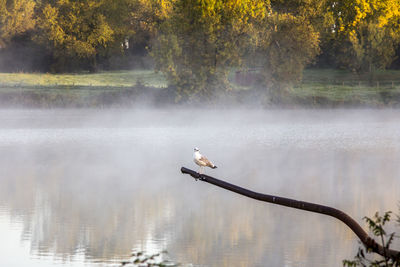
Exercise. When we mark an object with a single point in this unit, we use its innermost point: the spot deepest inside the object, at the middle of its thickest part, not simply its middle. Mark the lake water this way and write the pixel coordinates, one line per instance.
(87, 187)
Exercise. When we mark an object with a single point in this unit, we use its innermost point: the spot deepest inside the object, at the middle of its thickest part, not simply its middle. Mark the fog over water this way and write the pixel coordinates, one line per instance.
(86, 187)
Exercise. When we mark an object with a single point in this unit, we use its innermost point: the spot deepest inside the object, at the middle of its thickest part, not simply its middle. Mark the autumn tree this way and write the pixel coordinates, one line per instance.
(202, 40)
(293, 43)
(288, 42)
(145, 17)
(367, 33)
(75, 29)
(16, 18)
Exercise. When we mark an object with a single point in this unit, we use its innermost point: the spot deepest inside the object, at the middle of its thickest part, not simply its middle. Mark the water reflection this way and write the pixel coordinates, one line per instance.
(86, 187)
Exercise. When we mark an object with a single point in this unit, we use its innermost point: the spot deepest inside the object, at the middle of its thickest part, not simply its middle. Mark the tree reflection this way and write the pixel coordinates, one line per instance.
(102, 201)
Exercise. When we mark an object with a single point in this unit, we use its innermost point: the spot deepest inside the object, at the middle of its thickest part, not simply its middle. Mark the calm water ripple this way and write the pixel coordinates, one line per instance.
(86, 187)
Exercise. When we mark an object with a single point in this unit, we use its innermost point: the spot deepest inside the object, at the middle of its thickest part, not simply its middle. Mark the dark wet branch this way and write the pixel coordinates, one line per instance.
(369, 242)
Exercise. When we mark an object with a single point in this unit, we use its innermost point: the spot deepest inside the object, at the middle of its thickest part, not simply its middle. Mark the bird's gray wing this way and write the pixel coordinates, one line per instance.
(206, 161)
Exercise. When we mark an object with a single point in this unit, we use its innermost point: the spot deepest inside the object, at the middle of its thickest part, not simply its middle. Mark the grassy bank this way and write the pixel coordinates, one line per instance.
(339, 87)
(105, 79)
(320, 87)
(80, 90)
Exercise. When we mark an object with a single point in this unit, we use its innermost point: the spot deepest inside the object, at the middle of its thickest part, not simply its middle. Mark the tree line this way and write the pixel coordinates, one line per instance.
(196, 43)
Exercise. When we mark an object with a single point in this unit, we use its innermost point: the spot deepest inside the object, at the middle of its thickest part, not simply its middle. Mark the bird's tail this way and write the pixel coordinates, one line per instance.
(213, 167)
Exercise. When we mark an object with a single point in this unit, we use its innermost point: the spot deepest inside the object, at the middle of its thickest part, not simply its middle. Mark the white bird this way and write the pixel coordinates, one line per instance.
(201, 160)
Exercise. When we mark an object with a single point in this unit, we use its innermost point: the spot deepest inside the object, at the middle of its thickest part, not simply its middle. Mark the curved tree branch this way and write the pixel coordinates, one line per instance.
(369, 242)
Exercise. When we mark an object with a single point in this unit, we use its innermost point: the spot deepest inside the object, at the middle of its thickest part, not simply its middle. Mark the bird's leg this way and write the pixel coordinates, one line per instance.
(199, 171)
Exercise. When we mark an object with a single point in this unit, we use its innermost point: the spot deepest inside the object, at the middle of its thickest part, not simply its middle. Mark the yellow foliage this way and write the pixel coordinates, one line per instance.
(372, 28)
(78, 27)
(16, 18)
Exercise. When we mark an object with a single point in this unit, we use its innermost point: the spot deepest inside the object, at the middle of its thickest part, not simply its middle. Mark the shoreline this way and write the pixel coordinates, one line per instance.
(320, 88)
(126, 97)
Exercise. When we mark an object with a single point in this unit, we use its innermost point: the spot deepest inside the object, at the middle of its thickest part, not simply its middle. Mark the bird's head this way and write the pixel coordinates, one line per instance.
(196, 149)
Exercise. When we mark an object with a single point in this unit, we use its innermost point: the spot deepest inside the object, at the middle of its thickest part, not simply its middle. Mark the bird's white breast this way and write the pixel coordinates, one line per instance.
(197, 157)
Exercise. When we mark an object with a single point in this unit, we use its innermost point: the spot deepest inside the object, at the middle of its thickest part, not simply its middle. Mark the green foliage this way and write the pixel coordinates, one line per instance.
(376, 226)
(288, 40)
(292, 44)
(202, 40)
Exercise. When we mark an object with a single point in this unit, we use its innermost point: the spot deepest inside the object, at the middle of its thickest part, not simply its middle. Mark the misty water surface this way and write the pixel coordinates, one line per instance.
(86, 187)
